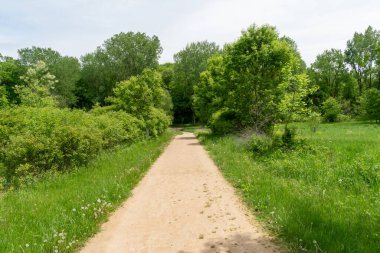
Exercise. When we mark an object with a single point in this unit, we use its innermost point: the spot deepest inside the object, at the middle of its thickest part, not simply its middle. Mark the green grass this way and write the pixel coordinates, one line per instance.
(60, 213)
(323, 197)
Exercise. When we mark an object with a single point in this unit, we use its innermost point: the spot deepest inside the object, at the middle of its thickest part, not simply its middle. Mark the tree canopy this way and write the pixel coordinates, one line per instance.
(188, 65)
(120, 57)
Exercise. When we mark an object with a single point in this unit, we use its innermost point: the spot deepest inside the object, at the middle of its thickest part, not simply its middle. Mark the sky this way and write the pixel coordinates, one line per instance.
(76, 27)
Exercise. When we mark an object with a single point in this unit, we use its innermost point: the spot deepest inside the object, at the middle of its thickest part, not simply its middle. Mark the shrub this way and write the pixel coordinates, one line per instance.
(343, 118)
(223, 122)
(157, 121)
(370, 104)
(331, 110)
(36, 140)
(260, 143)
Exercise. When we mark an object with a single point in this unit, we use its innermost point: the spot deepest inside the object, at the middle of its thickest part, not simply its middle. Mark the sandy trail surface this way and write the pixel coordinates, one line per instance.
(183, 204)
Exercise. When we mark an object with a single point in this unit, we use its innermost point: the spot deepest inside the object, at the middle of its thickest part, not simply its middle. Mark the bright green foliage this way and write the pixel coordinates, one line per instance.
(120, 57)
(259, 79)
(144, 97)
(36, 140)
(39, 85)
(294, 91)
(65, 69)
(370, 104)
(331, 109)
(189, 63)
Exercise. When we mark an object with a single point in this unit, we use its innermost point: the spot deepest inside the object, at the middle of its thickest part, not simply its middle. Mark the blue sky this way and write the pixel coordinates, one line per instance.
(76, 27)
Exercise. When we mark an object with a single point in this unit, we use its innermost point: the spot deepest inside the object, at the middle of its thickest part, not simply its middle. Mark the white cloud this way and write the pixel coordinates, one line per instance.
(75, 27)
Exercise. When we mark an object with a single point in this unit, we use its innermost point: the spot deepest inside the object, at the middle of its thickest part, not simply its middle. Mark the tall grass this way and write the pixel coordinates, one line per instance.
(60, 213)
(323, 197)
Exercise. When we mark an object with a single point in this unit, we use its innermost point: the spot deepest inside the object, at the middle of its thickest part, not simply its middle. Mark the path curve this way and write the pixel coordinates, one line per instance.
(183, 204)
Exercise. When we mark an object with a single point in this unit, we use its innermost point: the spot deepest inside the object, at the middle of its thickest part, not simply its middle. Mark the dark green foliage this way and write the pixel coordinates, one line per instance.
(361, 55)
(331, 110)
(120, 57)
(223, 121)
(10, 72)
(288, 137)
(189, 63)
(330, 73)
(370, 104)
(167, 73)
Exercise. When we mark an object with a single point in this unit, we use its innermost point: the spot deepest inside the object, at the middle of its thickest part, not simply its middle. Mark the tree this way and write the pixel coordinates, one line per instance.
(255, 66)
(137, 94)
(189, 63)
(144, 97)
(361, 56)
(10, 72)
(66, 70)
(294, 91)
(370, 104)
(331, 110)
(167, 73)
(39, 85)
(120, 57)
(330, 73)
(210, 93)
(256, 81)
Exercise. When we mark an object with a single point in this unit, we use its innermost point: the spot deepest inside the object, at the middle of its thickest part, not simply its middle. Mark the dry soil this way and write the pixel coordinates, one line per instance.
(183, 204)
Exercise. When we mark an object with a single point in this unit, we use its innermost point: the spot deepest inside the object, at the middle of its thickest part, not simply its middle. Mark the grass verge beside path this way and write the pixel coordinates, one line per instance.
(60, 213)
(321, 198)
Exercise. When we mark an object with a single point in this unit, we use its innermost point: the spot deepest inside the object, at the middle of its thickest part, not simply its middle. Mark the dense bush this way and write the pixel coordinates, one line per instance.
(370, 104)
(36, 140)
(222, 121)
(262, 144)
(331, 110)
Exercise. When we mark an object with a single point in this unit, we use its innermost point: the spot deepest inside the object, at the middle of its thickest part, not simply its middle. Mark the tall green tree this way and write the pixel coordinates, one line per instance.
(361, 55)
(39, 86)
(120, 57)
(211, 91)
(188, 65)
(66, 70)
(253, 83)
(331, 74)
(10, 72)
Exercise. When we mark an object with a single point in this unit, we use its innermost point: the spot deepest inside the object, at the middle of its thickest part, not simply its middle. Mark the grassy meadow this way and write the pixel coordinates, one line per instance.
(60, 212)
(323, 196)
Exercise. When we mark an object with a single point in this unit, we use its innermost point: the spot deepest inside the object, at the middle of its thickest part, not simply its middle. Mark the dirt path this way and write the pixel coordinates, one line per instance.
(183, 204)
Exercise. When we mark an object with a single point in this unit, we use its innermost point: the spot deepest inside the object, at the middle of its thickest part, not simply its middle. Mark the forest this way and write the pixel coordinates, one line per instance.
(257, 97)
